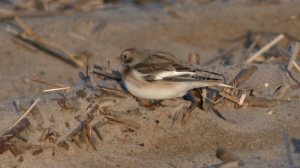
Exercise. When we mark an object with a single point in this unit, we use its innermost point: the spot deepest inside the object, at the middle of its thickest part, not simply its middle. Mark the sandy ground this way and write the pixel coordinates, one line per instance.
(205, 29)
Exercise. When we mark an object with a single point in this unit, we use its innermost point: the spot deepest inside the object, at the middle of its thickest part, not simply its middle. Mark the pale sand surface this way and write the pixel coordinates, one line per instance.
(204, 29)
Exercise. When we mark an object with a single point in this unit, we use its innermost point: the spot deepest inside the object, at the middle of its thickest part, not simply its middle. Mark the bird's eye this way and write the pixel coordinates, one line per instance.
(125, 56)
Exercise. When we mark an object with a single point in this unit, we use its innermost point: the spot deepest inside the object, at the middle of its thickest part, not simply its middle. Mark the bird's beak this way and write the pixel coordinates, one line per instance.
(118, 58)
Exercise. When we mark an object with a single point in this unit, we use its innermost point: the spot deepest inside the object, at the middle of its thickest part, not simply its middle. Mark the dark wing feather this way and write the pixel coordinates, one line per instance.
(182, 78)
(160, 61)
(188, 78)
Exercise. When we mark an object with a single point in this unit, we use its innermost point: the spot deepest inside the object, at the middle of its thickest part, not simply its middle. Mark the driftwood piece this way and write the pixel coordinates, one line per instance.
(244, 75)
(227, 157)
(14, 131)
(264, 102)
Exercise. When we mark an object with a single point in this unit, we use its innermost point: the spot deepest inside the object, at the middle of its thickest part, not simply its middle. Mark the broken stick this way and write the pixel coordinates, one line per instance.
(265, 48)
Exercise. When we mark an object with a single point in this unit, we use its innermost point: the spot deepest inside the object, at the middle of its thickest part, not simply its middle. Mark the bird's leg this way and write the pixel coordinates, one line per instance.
(188, 112)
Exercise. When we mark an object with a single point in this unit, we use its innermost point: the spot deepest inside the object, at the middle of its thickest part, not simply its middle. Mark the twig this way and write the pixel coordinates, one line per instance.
(28, 30)
(217, 112)
(45, 82)
(234, 99)
(58, 89)
(91, 73)
(222, 54)
(293, 56)
(35, 40)
(249, 50)
(296, 66)
(26, 112)
(265, 48)
(288, 149)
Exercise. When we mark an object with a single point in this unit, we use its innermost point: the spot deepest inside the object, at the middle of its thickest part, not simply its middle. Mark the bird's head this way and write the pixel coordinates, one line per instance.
(131, 57)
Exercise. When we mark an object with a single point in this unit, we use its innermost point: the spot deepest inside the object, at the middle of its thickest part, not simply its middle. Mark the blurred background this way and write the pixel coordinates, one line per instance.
(35, 33)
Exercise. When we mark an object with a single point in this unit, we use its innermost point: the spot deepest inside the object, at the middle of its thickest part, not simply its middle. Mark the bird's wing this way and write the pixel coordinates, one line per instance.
(161, 61)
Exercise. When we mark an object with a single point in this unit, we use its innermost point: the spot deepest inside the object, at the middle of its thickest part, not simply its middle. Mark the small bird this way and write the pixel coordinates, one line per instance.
(150, 74)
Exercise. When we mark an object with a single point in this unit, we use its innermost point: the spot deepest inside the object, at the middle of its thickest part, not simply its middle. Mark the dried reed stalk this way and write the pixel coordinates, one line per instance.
(293, 56)
(265, 48)
(249, 50)
(296, 66)
(232, 98)
(58, 89)
(25, 114)
(35, 79)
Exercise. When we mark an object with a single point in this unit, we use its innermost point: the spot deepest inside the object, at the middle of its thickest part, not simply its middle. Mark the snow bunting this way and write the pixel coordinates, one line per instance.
(151, 74)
